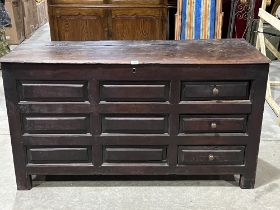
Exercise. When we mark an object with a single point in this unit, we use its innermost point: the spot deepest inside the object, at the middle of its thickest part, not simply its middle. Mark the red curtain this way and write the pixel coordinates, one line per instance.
(240, 18)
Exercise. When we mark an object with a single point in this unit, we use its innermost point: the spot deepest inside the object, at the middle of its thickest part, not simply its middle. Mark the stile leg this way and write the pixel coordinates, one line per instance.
(24, 182)
(247, 181)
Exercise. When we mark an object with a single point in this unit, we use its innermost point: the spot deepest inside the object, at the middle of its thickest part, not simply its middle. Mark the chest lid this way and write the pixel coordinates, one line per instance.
(225, 51)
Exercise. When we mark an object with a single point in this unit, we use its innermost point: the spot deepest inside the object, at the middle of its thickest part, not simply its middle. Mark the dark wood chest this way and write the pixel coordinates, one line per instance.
(135, 108)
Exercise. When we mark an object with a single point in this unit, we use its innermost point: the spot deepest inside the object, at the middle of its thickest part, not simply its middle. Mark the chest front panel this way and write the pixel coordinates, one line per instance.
(142, 119)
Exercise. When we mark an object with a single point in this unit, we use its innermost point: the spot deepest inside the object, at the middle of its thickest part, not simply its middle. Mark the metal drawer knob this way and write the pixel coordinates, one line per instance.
(213, 125)
(134, 70)
(211, 157)
(215, 91)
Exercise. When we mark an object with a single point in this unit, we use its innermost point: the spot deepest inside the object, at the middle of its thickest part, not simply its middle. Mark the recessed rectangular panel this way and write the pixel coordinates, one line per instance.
(135, 124)
(134, 91)
(53, 91)
(59, 155)
(56, 124)
(134, 154)
(195, 91)
(211, 155)
(213, 123)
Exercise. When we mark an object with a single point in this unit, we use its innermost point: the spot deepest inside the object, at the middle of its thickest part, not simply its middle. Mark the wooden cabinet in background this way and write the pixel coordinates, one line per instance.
(79, 24)
(81, 20)
(138, 24)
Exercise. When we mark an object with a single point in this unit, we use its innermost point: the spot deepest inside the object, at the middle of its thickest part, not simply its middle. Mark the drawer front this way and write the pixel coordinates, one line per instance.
(138, 124)
(56, 124)
(134, 154)
(211, 155)
(134, 92)
(214, 91)
(59, 155)
(213, 124)
(53, 91)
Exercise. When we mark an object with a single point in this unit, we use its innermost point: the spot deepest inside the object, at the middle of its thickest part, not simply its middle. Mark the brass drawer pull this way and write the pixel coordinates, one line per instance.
(211, 157)
(216, 91)
(213, 125)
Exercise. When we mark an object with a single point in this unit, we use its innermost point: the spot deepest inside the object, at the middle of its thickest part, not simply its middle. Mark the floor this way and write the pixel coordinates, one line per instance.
(205, 193)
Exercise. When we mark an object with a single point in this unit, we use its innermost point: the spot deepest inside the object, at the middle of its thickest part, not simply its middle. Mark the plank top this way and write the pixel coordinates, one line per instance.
(225, 51)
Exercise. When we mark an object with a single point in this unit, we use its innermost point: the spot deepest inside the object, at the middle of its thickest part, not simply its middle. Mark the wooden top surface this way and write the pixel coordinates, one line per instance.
(226, 51)
(106, 2)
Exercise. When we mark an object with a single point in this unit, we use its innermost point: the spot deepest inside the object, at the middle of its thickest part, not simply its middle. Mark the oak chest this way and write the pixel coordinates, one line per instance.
(89, 20)
(135, 108)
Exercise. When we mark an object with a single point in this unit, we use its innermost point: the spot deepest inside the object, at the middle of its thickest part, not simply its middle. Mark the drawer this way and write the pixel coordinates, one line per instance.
(56, 124)
(135, 154)
(134, 91)
(195, 91)
(53, 91)
(211, 155)
(213, 123)
(135, 124)
(44, 155)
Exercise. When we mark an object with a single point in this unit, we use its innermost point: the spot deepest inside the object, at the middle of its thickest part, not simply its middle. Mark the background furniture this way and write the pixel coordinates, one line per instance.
(199, 19)
(26, 17)
(135, 108)
(241, 17)
(84, 20)
(263, 43)
(270, 33)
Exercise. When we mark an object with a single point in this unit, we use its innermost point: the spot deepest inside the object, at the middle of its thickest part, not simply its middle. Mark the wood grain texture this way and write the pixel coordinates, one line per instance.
(228, 51)
(108, 20)
(127, 118)
(140, 24)
(74, 24)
